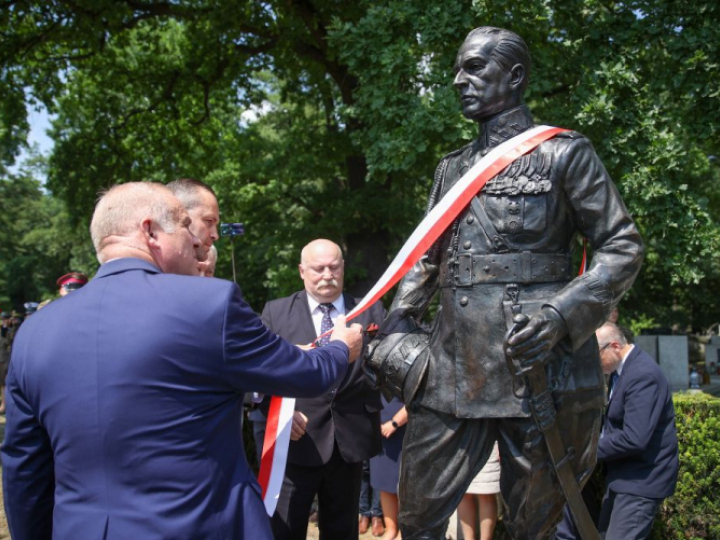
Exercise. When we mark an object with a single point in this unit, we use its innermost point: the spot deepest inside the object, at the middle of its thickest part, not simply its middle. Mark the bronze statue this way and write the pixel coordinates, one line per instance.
(512, 355)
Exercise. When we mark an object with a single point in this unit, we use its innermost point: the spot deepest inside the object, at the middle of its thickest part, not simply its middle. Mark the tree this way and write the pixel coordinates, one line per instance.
(39, 244)
(353, 106)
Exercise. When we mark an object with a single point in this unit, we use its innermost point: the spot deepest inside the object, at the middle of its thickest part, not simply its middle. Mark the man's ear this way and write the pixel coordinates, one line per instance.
(302, 271)
(517, 74)
(149, 232)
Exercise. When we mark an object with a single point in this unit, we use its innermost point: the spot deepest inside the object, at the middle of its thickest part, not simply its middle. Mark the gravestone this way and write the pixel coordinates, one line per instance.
(671, 352)
(649, 344)
(674, 360)
(712, 354)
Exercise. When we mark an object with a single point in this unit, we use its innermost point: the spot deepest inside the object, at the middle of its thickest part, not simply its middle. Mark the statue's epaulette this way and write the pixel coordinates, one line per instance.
(457, 152)
(439, 177)
(570, 135)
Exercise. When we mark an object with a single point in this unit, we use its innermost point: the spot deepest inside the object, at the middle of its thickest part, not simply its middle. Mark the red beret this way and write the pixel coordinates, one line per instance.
(72, 277)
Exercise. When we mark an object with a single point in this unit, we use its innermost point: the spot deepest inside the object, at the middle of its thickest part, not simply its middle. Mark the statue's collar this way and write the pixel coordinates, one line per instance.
(504, 126)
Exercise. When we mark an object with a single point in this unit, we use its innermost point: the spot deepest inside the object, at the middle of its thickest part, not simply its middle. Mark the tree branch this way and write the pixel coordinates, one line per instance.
(319, 52)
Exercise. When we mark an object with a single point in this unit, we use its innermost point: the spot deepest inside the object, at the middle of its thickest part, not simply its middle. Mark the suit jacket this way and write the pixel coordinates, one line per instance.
(124, 407)
(350, 416)
(639, 442)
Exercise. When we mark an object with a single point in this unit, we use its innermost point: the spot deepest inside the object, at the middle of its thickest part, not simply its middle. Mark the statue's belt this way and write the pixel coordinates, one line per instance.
(467, 269)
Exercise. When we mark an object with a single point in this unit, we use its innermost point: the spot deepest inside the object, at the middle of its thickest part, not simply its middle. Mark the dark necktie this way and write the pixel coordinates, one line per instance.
(613, 380)
(326, 324)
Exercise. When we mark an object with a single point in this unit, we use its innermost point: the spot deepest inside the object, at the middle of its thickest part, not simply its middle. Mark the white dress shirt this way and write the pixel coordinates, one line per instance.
(317, 314)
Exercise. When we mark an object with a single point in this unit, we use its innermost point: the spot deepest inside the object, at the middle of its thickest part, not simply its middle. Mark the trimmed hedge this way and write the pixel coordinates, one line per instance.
(693, 512)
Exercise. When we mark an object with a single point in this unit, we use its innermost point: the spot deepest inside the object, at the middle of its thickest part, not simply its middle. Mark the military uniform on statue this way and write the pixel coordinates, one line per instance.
(509, 253)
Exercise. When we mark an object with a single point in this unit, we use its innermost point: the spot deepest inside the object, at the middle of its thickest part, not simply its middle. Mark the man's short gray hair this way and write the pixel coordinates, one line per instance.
(615, 333)
(188, 191)
(121, 209)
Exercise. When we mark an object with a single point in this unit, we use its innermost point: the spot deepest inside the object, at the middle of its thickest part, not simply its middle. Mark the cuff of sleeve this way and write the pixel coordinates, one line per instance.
(584, 304)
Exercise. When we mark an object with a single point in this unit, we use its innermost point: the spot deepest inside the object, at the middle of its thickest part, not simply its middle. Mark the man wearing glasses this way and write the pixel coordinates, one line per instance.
(638, 442)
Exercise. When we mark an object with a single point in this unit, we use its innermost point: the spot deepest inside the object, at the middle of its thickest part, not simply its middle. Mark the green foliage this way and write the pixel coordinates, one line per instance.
(313, 118)
(39, 245)
(692, 512)
(643, 322)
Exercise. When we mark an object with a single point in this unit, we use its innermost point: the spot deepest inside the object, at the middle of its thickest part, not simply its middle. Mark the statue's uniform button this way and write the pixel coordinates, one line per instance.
(467, 245)
(464, 301)
(470, 219)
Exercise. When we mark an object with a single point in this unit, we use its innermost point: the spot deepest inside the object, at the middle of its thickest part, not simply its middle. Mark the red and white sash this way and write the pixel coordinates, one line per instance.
(279, 423)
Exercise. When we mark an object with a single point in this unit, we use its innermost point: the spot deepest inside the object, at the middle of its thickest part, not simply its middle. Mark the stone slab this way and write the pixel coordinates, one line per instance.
(674, 360)
(712, 356)
(649, 344)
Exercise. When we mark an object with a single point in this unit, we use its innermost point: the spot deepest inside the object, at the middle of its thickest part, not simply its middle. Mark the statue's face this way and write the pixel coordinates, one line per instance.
(485, 87)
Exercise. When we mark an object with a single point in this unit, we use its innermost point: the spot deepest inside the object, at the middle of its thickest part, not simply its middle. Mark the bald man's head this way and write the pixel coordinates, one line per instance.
(322, 270)
(144, 220)
(613, 346)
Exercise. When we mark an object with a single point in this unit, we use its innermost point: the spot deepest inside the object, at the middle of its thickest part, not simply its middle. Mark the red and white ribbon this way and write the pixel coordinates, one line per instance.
(429, 230)
(583, 263)
(275, 450)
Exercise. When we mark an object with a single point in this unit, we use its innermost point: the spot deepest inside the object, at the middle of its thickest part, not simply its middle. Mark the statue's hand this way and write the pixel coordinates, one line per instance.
(532, 344)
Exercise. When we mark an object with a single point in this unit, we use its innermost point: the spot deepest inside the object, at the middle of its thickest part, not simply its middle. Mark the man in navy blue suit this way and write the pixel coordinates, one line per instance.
(124, 398)
(638, 442)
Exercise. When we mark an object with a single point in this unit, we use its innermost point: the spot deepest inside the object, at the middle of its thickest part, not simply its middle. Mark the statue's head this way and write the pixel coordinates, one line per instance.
(492, 70)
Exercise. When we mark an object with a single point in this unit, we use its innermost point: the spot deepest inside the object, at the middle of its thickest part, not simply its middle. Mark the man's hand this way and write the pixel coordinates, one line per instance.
(298, 426)
(534, 342)
(387, 429)
(349, 335)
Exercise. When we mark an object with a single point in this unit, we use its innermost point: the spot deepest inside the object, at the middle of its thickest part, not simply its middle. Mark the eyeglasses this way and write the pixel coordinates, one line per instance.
(605, 346)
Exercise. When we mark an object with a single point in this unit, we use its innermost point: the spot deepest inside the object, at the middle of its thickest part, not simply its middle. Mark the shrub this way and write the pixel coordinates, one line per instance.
(693, 512)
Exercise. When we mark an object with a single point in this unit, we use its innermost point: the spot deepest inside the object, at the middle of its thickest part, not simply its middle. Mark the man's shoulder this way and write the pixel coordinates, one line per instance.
(284, 301)
(565, 140)
(641, 365)
(160, 292)
(193, 288)
(456, 153)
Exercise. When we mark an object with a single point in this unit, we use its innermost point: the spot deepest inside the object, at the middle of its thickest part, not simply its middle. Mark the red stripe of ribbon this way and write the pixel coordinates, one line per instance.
(268, 449)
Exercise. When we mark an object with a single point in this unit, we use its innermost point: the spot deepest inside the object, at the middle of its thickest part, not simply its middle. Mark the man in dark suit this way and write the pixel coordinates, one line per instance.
(332, 434)
(638, 442)
(124, 398)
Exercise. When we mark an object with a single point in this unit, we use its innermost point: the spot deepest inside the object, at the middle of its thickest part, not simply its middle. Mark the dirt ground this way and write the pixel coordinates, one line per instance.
(313, 534)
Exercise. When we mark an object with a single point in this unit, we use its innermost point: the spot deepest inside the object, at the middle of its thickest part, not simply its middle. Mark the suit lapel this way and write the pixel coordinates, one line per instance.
(302, 316)
(349, 303)
(628, 362)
